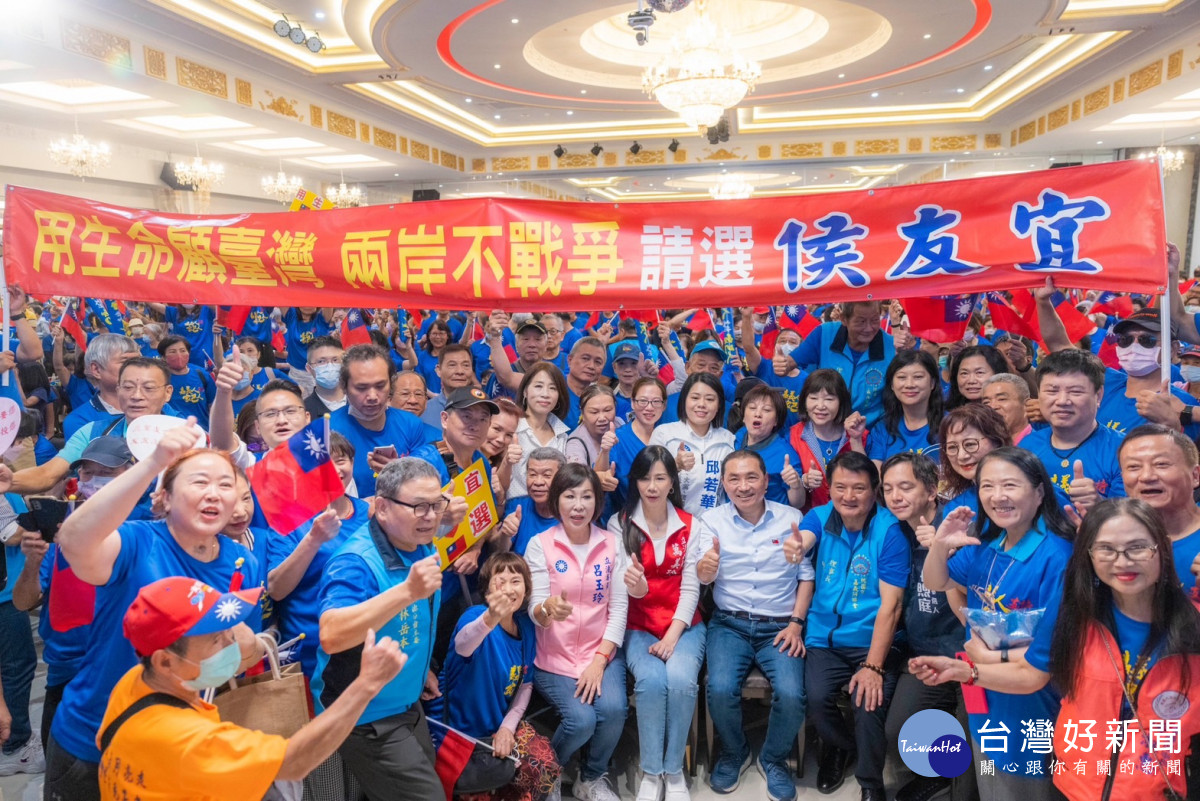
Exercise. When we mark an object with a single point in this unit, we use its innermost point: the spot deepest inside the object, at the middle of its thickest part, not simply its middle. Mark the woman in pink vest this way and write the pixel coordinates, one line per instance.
(578, 604)
(1124, 650)
(664, 636)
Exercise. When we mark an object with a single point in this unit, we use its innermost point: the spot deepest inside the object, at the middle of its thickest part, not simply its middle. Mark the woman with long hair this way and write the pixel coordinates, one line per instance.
(649, 398)
(1123, 645)
(969, 371)
(542, 396)
(579, 605)
(664, 635)
(967, 434)
(912, 409)
(1010, 557)
(698, 442)
(821, 433)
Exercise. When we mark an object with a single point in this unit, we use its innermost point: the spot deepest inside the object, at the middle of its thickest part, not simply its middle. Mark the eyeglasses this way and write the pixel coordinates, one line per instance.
(1134, 553)
(1145, 340)
(969, 446)
(330, 360)
(422, 509)
(653, 403)
(291, 412)
(147, 389)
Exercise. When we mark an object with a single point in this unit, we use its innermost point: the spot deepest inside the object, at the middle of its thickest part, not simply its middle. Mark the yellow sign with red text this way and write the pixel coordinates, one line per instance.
(473, 485)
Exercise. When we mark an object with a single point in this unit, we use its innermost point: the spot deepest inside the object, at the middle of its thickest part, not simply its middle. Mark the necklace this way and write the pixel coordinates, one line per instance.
(1066, 459)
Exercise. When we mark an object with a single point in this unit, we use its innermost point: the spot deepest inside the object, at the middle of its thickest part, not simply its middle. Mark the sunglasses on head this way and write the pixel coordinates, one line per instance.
(1145, 340)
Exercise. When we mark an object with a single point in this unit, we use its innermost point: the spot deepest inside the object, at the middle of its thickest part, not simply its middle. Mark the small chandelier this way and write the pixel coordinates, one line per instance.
(344, 197)
(78, 155)
(199, 174)
(731, 187)
(280, 186)
(1171, 160)
(702, 75)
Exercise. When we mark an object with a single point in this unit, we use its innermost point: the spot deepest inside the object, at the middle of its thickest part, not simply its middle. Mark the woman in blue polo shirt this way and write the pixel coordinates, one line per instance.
(1010, 557)
(193, 388)
(912, 409)
(649, 399)
(762, 414)
(193, 323)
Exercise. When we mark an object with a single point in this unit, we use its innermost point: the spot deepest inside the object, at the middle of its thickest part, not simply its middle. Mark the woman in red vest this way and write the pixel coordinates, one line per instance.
(821, 433)
(1125, 652)
(664, 636)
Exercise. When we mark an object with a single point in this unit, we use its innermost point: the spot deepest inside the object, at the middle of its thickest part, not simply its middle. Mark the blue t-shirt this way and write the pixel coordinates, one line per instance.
(402, 429)
(968, 498)
(1027, 576)
(773, 450)
(532, 523)
(1120, 413)
(628, 446)
(267, 375)
(1185, 550)
(300, 333)
(258, 324)
(62, 651)
(478, 689)
(241, 403)
(196, 328)
(194, 393)
(456, 327)
(427, 366)
(881, 445)
(894, 557)
(297, 613)
(148, 553)
(79, 391)
(43, 450)
(1099, 456)
(790, 386)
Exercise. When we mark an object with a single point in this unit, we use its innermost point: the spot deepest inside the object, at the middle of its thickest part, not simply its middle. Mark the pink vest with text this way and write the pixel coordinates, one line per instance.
(567, 646)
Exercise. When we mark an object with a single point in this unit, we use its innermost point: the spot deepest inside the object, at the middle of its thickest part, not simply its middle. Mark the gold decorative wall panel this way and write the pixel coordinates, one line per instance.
(201, 78)
(1041, 125)
(450, 161)
(316, 116)
(839, 148)
(1076, 110)
(435, 156)
(1012, 138)
(1174, 65)
(942, 144)
(402, 145)
(802, 150)
(876, 147)
(420, 150)
(1147, 77)
(156, 63)
(243, 92)
(364, 132)
(1058, 118)
(510, 163)
(915, 144)
(680, 156)
(610, 159)
(1095, 101)
(576, 160)
(1027, 132)
(342, 125)
(1118, 90)
(478, 165)
(102, 45)
(543, 162)
(764, 152)
(660, 156)
(992, 141)
(279, 105)
(385, 139)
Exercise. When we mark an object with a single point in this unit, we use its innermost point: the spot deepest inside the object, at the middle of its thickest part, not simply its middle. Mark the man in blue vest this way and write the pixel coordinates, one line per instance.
(858, 349)
(862, 565)
(386, 578)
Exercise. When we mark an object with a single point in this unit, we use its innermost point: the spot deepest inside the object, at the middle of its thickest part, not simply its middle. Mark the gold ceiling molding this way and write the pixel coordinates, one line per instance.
(450, 161)
(1058, 118)
(681, 156)
(316, 116)
(543, 162)
(839, 148)
(764, 151)
(1095, 101)
(478, 165)
(156, 63)
(802, 150)
(243, 91)
(1147, 77)
(419, 150)
(1027, 132)
(385, 139)
(191, 75)
(279, 104)
(610, 159)
(876, 147)
(722, 154)
(341, 124)
(1041, 129)
(576, 160)
(1174, 65)
(945, 144)
(1076, 112)
(85, 40)
(510, 163)
(915, 144)
(1118, 90)
(992, 141)
(660, 156)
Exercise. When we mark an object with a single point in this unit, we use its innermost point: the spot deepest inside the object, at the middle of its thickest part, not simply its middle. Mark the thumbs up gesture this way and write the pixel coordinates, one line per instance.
(795, 546)
(710, 563)
(514, 453)
(1083, 492)
(231, 371)
(925, 533)
(608, 478)
(1159, 406)
(511, 525)
(814, 476)
(635, 578)
(789, 475)
(608, 441)
(685, 459)
(557, 607)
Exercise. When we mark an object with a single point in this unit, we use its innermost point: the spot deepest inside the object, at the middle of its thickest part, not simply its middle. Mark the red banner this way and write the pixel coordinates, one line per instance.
(1094, 227)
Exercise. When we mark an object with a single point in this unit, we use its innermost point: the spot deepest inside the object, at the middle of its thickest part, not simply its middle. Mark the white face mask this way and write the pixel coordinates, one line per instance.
(1192, 309)
(93, 485)
(1190, 373)
(785, 349)
(1138, 361)
(759, 327)
(352, 489)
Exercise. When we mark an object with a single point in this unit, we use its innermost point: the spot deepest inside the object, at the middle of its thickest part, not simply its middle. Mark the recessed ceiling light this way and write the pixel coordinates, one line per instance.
(583, 91)
(496, 66)
(874, 94)
(569, 113)
(496, 116)
(951, 161)
(395, 175)
(841, 75)
(515, 20)
(987, 67)
(928, 36)
(1099, 141)
(319, 15)
(960, 90)
(468, 100)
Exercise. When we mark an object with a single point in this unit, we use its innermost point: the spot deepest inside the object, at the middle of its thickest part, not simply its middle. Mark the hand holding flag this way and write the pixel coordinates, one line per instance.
(297, 479)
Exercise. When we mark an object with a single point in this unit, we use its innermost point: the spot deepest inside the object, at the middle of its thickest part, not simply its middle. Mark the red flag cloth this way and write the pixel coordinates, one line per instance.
(296, 479)
(72, 600)
(939, 319)
(233, 318)
(648, 317)
(452, 756)
(1078, 324)
(799, 319)
(1005, 317)
(71, 324)
(1114, 304)
(701, 321)
(278, 342)
(354, 329)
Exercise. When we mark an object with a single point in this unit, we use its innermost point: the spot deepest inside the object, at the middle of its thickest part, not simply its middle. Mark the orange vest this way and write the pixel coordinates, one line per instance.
(1099, 698)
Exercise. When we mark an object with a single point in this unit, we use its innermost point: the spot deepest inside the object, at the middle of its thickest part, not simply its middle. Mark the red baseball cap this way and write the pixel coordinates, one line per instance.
(177, 607)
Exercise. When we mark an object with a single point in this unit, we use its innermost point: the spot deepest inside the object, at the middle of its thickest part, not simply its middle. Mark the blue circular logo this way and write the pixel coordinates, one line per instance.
(932, 743)
(561, 566)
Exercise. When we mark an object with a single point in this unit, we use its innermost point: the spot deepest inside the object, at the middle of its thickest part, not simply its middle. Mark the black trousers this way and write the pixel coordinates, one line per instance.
(393, 758)
(826, 671)
(54, 696)
(69, 778)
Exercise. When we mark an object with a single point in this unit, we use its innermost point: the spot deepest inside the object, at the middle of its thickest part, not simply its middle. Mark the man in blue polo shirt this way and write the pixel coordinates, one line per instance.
(1079, 454)
(862, 566)
(367, 421)
(102, 365)
(386, 578)
(858, 349)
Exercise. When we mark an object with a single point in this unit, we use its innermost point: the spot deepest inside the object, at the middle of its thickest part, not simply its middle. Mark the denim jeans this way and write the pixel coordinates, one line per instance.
(597, 725)
(734, 646)
(666, 696)
(18, 660)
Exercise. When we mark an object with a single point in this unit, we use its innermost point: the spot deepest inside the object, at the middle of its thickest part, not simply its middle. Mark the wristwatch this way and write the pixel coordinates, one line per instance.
(801, 622)
(1186, 417)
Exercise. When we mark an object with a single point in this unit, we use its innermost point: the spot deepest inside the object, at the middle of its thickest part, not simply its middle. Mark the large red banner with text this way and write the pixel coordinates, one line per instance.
(1093, 227)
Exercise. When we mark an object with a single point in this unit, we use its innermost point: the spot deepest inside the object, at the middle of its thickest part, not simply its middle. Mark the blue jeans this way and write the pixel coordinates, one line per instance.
(666, 696)
(734, 646)
(597, 725)
(18, 660)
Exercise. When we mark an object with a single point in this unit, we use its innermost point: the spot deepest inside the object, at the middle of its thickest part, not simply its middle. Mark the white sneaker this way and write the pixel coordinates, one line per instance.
(595, 790)
(28, 759)
(556, 791)
(650, 789)
(677, 789)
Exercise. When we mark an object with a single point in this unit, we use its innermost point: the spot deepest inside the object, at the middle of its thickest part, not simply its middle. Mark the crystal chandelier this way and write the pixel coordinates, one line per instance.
(78, 155)
(344, 197)
(702, 75)
(280, 186)
(199, 174)
(1171, 160)
(731, 187)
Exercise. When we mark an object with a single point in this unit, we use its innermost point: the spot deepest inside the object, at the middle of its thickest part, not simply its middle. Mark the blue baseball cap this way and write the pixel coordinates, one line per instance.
(708, 345)
(626, 350)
